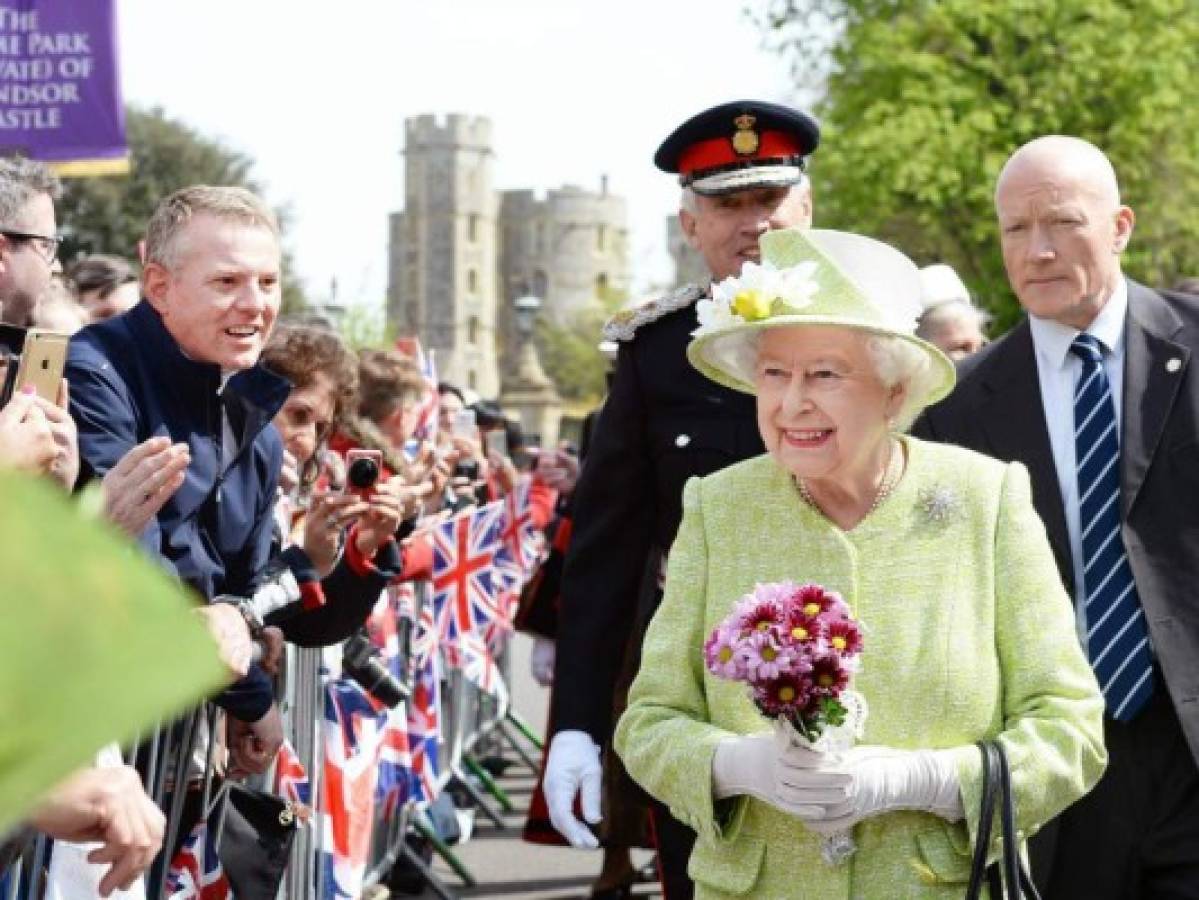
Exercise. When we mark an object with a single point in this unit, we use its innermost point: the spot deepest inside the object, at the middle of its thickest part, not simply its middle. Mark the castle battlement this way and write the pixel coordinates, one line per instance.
(452, 130)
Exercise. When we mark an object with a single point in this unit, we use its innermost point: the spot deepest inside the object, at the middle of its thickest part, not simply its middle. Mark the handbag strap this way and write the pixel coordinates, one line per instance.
(1008, 876)
(991, 787)
(1019, 882)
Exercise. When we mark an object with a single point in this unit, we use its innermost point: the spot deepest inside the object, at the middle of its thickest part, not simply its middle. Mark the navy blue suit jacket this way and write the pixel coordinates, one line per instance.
(130, 382)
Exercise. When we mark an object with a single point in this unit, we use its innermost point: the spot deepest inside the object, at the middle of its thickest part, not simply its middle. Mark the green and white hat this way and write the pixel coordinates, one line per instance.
(814, 277)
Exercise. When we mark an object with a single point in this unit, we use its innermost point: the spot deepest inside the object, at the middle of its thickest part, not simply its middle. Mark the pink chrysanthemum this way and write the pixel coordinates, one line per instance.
(761, 615)
(800, 628)
(844, 637)
(786, 695)
(812, 599)
(829, 676)
(763, 657)
(722, 653)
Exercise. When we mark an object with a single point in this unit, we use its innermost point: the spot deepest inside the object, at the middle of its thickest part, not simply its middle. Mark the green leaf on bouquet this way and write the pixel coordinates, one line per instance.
(833, 712)
(97, 643)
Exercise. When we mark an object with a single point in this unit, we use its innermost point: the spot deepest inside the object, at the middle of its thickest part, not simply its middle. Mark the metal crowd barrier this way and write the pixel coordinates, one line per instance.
(182, 753)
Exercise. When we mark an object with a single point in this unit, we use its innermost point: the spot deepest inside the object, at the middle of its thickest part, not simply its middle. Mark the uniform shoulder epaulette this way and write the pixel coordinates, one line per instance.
(623, 326)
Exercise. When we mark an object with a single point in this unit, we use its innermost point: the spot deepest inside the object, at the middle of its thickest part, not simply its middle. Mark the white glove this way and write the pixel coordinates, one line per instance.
(876, 780)
(541, 661)
(573, 767)
(769, 767)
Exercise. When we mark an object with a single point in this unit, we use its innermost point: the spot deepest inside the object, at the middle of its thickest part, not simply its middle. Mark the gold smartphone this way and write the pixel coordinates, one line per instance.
(43, 359)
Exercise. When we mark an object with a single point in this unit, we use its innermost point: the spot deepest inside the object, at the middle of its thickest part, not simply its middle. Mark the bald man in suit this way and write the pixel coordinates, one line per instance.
(1097, 394)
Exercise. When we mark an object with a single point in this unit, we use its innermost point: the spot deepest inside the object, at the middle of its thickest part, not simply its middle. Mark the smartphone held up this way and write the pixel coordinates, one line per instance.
(41, 364)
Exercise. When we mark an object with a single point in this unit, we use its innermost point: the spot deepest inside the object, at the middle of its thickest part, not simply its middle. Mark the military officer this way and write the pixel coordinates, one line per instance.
(741, 167)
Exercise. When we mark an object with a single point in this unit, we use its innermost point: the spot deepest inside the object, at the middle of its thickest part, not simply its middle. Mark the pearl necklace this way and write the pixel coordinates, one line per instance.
(891, 476)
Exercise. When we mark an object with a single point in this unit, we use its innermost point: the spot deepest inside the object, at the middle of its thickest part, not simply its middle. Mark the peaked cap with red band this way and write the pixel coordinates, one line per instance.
(739, 145)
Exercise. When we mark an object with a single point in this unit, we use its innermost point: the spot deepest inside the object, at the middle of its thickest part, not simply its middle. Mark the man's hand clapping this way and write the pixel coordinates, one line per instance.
(141, 483)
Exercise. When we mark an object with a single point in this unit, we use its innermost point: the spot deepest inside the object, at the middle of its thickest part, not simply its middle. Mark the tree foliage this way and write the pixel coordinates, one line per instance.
(570, 356)
(109, 214)
(924, 100)
(569, 350)
(365, 326)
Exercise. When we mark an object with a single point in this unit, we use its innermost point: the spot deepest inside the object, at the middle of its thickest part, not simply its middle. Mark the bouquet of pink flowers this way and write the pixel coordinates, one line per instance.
(795, 646)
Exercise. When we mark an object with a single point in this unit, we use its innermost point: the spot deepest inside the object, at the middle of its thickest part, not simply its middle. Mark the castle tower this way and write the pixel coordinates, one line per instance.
(570, 249)
(443, 262)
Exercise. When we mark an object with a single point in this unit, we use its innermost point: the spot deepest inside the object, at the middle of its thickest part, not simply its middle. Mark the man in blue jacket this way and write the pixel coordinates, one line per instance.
(183, 365)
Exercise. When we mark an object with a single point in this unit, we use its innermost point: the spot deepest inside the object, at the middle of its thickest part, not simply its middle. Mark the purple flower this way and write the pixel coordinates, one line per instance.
(802, 629)
(844, 637)
(722, 652)
(759, 615)
(812, 599)
(786, 695)
(829, 676)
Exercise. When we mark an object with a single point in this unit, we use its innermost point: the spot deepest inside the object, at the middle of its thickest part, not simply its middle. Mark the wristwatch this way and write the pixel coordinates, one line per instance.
(253, 621)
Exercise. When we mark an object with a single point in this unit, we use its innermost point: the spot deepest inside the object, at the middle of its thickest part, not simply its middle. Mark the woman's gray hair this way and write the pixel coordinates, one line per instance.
(898, 362)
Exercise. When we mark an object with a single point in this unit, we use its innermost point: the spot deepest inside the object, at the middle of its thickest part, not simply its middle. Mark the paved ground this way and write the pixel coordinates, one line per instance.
(506, 867)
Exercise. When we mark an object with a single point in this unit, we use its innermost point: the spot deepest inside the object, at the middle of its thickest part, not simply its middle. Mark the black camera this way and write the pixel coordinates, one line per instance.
(362, 470)
(468, 469)
(363, 662)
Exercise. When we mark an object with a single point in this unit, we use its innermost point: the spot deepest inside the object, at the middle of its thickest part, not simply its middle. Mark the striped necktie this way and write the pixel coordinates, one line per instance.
(1117, 635)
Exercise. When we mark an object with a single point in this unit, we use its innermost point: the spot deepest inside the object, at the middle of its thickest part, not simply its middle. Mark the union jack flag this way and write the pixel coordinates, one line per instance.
(465, 589)
(522, 540)
(395, 757)
(195, 872)
(427, 408)
(424, 726)
(291, 778)
(353, 742)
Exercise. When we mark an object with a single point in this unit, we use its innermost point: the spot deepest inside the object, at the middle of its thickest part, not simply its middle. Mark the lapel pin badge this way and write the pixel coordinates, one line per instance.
(1173, 364)
(682, 440)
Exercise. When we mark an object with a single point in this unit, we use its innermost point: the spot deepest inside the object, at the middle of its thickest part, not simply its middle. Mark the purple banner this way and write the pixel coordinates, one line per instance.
(60, 94)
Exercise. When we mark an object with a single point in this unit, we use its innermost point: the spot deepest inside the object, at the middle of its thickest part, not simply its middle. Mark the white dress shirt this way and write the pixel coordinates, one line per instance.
(1058, 370)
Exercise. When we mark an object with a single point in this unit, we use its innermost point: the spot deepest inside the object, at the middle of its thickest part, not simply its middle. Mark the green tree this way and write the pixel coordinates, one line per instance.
(569, 350)
(109, 214)
(365, 326)
(923, 101)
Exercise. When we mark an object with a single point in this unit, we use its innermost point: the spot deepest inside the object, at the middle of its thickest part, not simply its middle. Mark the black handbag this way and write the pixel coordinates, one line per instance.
(257, 834)
(1009, 872)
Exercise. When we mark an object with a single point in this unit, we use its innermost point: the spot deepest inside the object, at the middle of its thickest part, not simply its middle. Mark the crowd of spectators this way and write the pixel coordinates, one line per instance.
(218, 440)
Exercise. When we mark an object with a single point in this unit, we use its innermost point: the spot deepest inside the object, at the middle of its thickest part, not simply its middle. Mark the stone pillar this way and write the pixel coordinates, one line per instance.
(529, 394)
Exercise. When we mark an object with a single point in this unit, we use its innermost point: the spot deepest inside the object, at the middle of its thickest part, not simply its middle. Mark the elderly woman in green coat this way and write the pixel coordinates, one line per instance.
(969, 633)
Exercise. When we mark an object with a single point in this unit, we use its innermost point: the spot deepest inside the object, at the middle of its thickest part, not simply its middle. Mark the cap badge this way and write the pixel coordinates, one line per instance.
(745, 140)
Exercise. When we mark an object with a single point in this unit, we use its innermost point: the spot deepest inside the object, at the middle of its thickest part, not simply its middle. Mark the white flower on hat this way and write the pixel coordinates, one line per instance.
(714, 314)
(750, 296)
(797, 285)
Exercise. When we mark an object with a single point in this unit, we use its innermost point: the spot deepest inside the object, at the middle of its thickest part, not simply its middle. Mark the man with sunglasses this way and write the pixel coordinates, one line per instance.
(28, 242)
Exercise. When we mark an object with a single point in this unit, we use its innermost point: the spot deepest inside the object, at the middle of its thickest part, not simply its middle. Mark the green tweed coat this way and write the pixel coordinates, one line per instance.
(969, 634)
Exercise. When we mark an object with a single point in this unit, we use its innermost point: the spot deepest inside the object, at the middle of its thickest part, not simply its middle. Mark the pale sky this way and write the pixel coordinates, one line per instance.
(317, 94)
